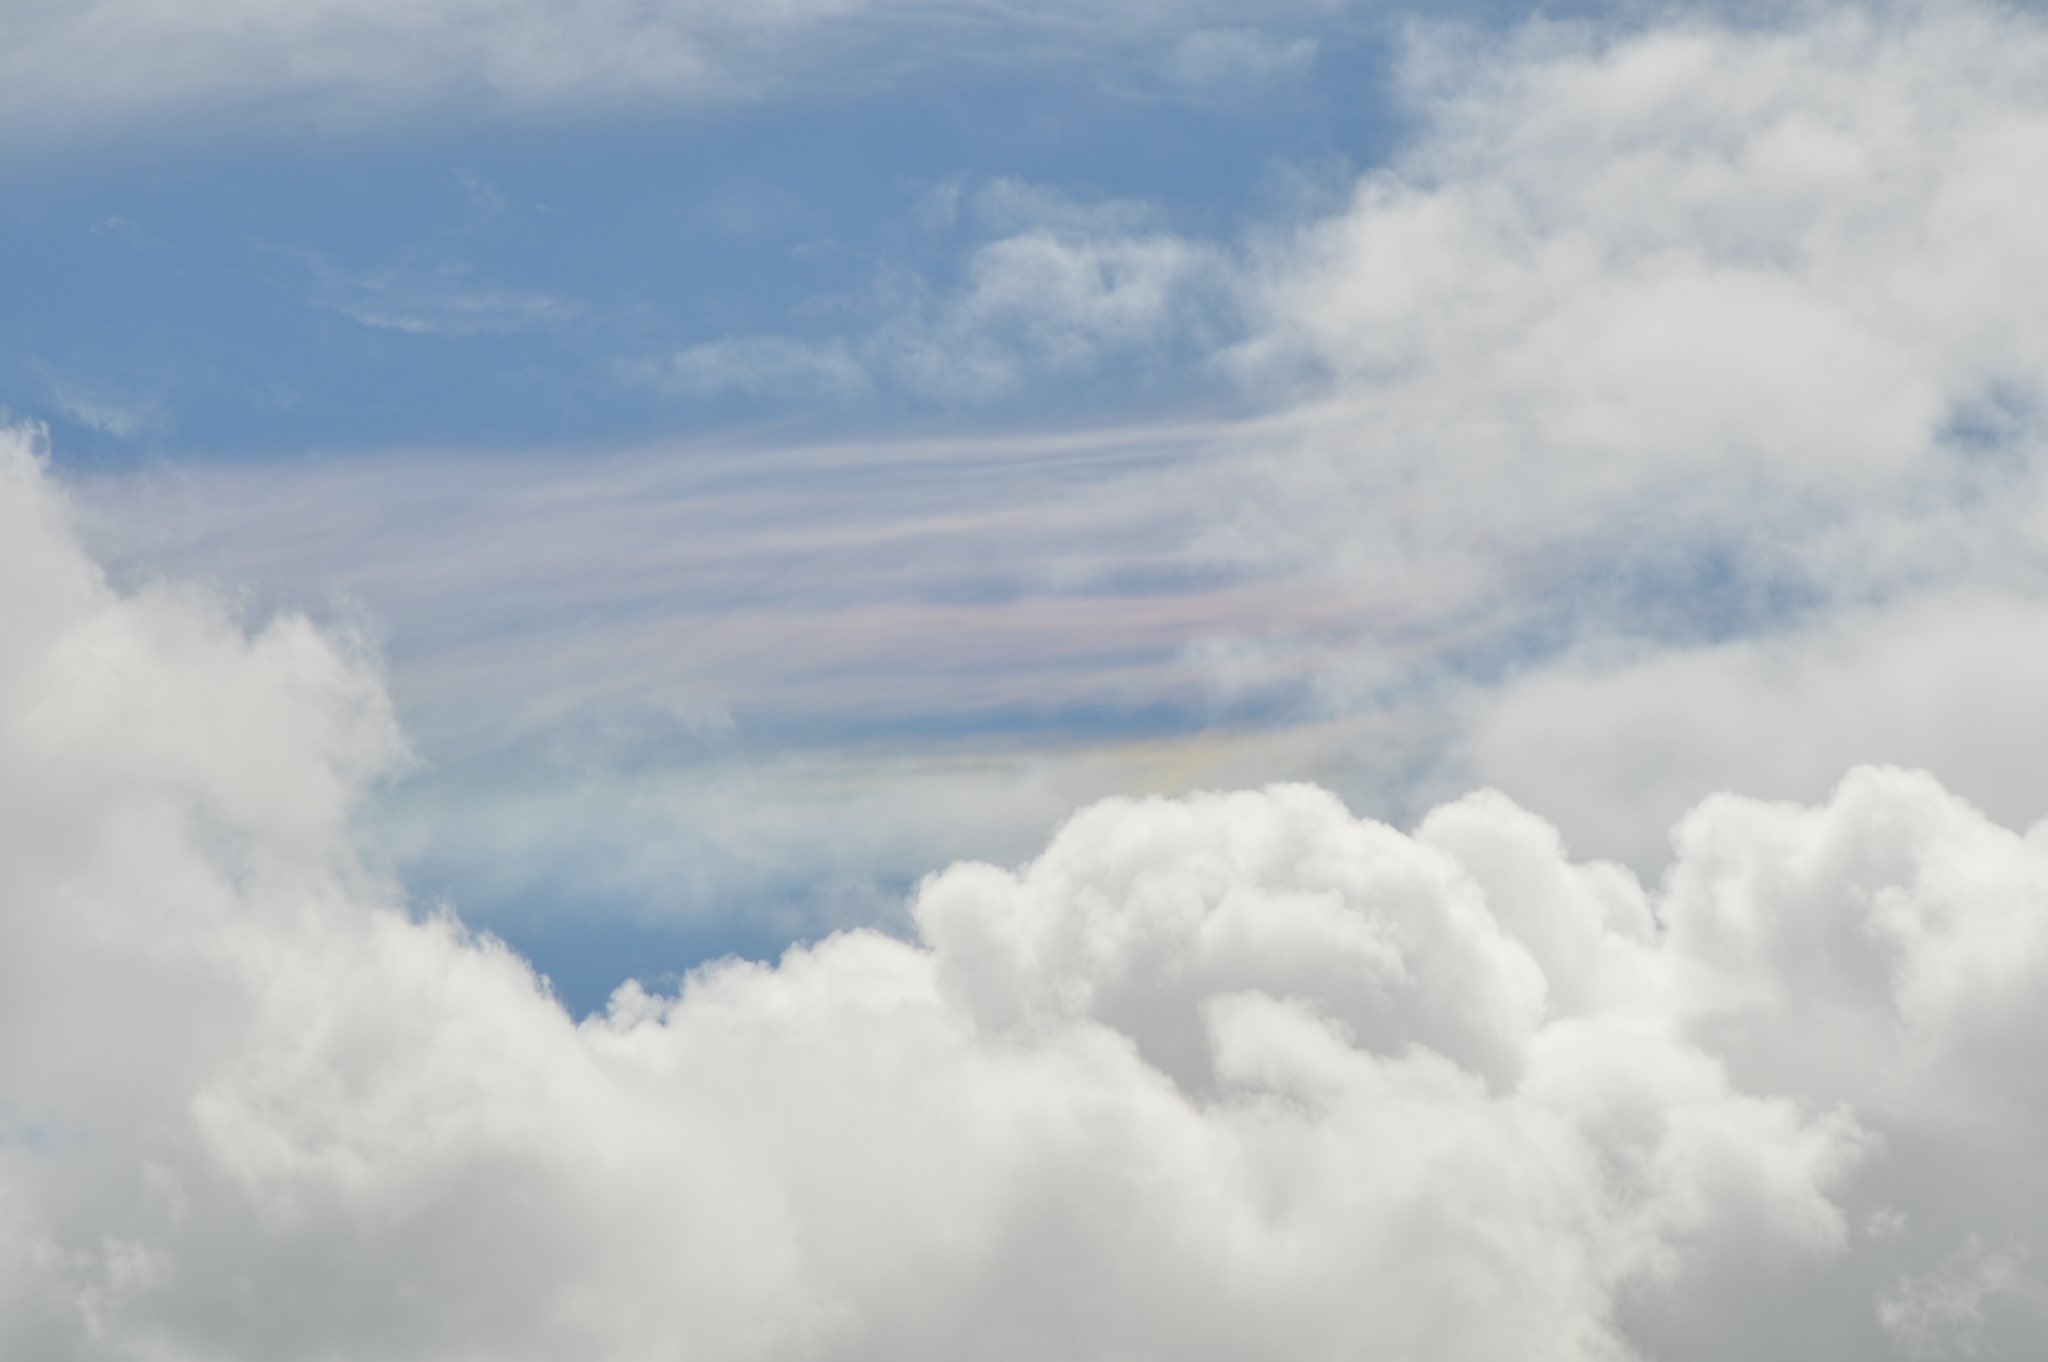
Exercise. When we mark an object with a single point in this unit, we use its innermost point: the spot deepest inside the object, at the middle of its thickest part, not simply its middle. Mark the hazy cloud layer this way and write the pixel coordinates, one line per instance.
(1218, 1077)
(691, 680)
(110, 62)
(1687, 377)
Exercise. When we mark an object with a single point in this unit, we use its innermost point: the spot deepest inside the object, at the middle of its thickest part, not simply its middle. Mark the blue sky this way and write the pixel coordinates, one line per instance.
(780, 458)
(196, 289)
(438, 277)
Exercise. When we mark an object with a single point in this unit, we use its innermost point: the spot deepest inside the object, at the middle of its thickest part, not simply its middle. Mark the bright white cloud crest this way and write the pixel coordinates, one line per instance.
(1627, 289)
(1237, 1075)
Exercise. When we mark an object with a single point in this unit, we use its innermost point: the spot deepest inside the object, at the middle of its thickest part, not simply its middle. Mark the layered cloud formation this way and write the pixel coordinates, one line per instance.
(1665, 416)
(1666, 419)
(1225, 1076)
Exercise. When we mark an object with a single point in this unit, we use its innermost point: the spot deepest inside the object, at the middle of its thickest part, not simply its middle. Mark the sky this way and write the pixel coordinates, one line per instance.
(922, 678)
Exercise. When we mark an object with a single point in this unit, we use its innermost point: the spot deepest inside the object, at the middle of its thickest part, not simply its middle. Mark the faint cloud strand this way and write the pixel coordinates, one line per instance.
(1229, 60)
(446, 302)
(1067, 286)
(1941, 1314)
(768, 366)
(100, 63)
(105, 408)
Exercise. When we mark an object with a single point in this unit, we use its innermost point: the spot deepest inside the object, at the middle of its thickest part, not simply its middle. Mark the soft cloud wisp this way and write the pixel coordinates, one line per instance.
(113, 61)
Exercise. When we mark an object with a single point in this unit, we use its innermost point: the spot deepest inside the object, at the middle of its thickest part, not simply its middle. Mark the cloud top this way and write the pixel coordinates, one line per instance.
(1228, 1076)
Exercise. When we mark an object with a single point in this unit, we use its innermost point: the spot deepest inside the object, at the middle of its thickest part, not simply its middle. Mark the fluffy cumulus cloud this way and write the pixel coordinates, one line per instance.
(1658, 334)
(1700, 283)
(1237, 1075)
(1617, 741)
(1683, 387)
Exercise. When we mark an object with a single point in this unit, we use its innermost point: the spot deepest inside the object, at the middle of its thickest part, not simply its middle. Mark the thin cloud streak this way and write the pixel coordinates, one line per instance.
(807, 581)
(102, 64)
(693, 681)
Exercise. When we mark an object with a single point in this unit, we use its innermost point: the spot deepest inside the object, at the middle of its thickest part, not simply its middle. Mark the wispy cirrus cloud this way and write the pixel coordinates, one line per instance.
(428, 288)
(445, 302)
(1237, 59)
(707, 675)
(114, 409)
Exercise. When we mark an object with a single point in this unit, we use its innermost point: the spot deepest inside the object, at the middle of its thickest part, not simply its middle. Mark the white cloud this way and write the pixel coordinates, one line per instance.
(1697, 287)
(1616, 746)
(1232, 1075)
(1667, 417)
(1688, 292)
(1685, 390)
(1055, 288)
(1048, 302)
(1228, 1076)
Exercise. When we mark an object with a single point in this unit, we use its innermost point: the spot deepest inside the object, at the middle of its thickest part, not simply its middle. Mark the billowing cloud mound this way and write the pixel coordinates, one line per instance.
(1228, 1077)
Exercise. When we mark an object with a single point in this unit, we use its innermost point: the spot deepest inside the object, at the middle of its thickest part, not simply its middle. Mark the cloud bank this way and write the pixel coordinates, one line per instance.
(1701, 373)
(1226, 1076)
(1700, 284)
